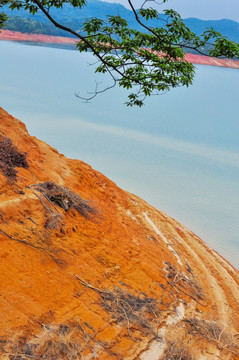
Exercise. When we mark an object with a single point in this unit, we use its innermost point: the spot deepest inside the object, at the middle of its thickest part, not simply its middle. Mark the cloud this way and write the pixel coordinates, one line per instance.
(220, 156)
(202, 9)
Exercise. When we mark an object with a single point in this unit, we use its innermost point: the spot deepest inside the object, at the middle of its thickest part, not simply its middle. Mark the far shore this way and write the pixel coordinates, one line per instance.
(39, 38)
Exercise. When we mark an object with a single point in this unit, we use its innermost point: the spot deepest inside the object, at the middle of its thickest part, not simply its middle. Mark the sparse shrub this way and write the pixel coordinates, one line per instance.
(67, 199)
(186, 283)
(177, 351)
(212, 332)
(10, 158)
(53, 221)
(121, 302)
(61, 342)
(124, 306)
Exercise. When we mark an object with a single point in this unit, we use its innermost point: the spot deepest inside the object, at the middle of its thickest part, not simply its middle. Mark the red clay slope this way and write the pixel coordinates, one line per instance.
(112, 278)
(195, 59)
(17, 36)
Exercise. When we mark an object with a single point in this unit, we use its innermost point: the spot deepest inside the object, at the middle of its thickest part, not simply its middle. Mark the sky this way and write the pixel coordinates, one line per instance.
(201, 9)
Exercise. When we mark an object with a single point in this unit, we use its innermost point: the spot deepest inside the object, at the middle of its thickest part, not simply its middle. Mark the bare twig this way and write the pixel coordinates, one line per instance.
(27, 243)
(1, 216)
(51, 203)
(17, 355)
(34, 222)
(124, 304)
(66, 199)
(39, 197)
(84, 283)
(212, 332)
(184, 292)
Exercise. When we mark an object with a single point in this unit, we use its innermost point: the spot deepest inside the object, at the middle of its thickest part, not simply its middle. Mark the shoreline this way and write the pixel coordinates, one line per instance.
(136, 255)
(49, 39)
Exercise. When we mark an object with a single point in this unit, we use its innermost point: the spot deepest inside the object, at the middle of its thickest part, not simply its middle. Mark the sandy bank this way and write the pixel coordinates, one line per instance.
(195, 59)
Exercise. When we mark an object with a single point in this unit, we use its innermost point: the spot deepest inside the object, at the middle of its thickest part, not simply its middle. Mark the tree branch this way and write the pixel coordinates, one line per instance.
(69, 30)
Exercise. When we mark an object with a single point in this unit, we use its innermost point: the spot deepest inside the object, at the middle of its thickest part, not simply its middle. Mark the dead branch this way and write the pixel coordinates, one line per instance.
(51, 203)
(177, 351)
(16, 355)
(34, 222)
(211, 331)
(53, 221)
(84, 283)
(46, 207)
(124, 304)
(67, 199)
(184, 292)
(28, 244)
(1, 216)
(179, 281)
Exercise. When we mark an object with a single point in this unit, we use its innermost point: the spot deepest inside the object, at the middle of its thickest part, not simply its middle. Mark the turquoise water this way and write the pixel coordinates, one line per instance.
(180, 152)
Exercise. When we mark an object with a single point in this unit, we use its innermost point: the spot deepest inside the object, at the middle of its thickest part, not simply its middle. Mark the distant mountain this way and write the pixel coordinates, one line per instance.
(72, 17)
(94, 8)
(227, 27)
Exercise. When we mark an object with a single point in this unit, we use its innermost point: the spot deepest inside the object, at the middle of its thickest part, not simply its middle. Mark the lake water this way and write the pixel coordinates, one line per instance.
(180, 152)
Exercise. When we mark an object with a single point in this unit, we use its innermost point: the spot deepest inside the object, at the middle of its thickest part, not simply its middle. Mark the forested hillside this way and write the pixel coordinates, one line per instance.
(74, 18)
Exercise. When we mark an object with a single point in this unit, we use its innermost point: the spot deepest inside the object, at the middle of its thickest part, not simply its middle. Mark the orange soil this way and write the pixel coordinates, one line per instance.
(49, 300)
(195, 59)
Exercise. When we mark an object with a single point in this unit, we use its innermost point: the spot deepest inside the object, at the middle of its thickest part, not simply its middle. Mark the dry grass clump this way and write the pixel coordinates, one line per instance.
(212, 332)
(10, 158)
(60, 342)
(53, 221)
(177, 351)
(72, 341)
(122, 304)
(67, 199)
(184, 283)
(125, 307)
